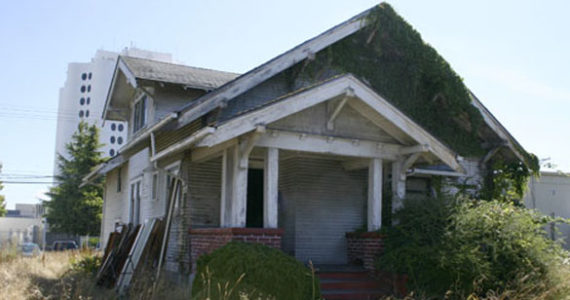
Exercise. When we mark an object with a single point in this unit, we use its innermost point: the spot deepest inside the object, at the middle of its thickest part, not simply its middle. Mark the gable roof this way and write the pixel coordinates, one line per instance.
(307, 51)
(134, 69)
(193, 77)
(265, 71)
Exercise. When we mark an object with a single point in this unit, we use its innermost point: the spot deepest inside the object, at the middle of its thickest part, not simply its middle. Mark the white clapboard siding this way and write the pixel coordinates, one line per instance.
(201, 208)
(288, 192)
(329, 202)
(204, 189)
(114, 203)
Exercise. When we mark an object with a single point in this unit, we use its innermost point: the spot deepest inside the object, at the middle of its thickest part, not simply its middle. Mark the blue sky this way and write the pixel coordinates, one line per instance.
(512, 54)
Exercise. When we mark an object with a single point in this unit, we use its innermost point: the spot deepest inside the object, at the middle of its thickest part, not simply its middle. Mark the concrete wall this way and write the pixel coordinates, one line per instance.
(550, 195)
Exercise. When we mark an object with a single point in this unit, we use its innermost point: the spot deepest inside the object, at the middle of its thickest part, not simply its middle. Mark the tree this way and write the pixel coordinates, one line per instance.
(74, 208)
(2, 202)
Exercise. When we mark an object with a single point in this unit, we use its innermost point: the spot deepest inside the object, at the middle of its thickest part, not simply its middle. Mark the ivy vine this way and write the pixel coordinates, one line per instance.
(390, 56)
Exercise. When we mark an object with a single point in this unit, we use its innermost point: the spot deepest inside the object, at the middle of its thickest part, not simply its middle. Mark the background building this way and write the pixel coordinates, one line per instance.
(550, 195)
(82, 98)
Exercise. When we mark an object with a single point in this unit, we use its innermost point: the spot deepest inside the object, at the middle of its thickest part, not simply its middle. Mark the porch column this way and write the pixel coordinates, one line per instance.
(375, 194)
(239, 190)
(233, 200)
(398, 184)
(270, 191)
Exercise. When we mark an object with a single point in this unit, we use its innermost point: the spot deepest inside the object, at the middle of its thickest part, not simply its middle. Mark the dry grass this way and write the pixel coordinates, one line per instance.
(49, 276)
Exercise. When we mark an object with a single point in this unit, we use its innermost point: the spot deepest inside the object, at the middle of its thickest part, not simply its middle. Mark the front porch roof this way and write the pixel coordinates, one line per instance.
(413, 138)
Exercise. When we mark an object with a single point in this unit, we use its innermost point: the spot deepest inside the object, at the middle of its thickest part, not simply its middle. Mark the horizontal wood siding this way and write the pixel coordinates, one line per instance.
(330, 202)
(200, 207)
(205, 181)
(114, 203)
(286, 207)
(168, 138)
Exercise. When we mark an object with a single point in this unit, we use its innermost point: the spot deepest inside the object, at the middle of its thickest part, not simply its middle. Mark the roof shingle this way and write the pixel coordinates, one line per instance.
(193, 77)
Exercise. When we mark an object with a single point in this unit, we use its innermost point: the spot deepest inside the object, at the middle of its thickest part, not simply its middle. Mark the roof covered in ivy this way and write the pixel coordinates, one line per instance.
(388, 54)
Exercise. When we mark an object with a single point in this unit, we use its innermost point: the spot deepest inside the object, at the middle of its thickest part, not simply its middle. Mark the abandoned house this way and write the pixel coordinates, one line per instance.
(323, 140)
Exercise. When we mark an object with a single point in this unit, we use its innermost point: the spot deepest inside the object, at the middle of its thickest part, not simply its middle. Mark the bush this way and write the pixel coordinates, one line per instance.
(464, 247)
(88, 264)
(255, 270)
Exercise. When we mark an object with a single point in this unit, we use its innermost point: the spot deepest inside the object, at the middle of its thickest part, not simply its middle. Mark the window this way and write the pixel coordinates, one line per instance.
(88, 100)
(90, 75)
(89, 88)
(121, 127)
(83, 76)
(87, 113)
(155, 186)
(119, 180)
(139, 114)
(112, 152)
(135, 202)
(112, 140)
(82, 101)
(119, 140)
(113, 127)
(81, 114)
(83, 89)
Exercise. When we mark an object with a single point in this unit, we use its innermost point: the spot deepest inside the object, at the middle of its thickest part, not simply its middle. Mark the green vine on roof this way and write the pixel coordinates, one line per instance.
(390, 56)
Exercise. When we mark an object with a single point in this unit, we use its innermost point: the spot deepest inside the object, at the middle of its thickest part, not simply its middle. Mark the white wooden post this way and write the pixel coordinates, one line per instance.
(224, 213)
(270, 191)
(398, 184)
(239, 188)
(375, 194)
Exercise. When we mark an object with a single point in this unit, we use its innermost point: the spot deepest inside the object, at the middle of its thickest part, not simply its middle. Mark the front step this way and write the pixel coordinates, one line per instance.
(350, 283)
(353, 294)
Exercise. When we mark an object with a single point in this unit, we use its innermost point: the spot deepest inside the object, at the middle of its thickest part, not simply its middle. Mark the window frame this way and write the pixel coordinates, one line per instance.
(139, 112)
(135, 189)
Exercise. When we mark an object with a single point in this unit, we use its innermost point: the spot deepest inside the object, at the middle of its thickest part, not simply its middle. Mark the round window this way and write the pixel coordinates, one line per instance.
(112, 152)
(87, 113)
(121, 127)
(81, 114)
(90, 75)
(112, 140)
(82, 101)
(88, 100)
(89, 88)
(83, 89)
(113, 127)
(83, 76)
(120, 140)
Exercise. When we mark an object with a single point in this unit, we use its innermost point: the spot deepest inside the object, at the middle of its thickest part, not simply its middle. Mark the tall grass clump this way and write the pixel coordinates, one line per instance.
(472, 248)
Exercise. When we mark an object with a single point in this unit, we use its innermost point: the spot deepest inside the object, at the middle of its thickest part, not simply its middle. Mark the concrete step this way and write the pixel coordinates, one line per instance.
(349, 283)
(353, 294)
(343, 275)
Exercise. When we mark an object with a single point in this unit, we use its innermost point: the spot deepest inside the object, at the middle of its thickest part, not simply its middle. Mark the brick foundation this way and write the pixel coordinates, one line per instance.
(364, 248)
(206, 240)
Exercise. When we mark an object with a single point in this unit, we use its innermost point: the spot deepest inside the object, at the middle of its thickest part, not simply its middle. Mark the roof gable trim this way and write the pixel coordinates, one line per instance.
(278, 64)
(321, 93)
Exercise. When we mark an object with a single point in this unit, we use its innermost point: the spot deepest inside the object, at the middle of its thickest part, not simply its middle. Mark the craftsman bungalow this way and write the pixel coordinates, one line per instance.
(297, 152)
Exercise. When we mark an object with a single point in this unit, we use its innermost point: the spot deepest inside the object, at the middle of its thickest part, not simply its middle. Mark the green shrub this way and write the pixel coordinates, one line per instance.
(462, 247)
(255, 270)
(87, 264)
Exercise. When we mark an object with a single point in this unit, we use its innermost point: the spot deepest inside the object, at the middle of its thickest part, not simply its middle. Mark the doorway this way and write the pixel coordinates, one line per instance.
(254, 215)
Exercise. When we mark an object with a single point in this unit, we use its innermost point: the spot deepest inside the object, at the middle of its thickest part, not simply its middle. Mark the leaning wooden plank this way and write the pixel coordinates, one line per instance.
(134, 256)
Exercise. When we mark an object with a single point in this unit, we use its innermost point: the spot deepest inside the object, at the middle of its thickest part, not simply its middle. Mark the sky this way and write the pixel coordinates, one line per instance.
(512, 54)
